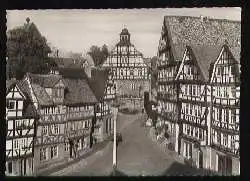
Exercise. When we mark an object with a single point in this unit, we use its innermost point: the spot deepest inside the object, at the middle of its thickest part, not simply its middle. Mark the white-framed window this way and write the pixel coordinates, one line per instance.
(56, 129)
(194, 90)
(66, 146)
(54, 151)
(16, 145)
(224, 140)
(18, 123)
(45, 130)
(218, 72)
(133, 86)
(187, 152)
(43, 154)
(11, 104)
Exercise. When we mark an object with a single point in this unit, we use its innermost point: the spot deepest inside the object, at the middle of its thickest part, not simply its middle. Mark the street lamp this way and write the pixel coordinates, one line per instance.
(115, 107)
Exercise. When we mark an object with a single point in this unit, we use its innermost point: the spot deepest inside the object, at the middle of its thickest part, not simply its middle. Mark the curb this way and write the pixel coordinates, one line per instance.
(164, 148)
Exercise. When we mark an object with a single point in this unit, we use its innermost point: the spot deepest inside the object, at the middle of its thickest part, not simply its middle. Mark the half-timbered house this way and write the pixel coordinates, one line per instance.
(21, 117)
(188, 50)
(225, 108)
(80, 103)
(129, 72)
(103, 88)
(193, 79)
(47, 93)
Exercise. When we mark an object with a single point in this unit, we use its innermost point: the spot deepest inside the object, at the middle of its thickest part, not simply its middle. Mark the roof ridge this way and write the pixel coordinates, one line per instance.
(205, 17)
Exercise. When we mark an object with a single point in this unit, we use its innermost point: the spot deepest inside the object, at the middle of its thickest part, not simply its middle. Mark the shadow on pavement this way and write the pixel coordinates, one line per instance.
(117, 172)
(179, 169)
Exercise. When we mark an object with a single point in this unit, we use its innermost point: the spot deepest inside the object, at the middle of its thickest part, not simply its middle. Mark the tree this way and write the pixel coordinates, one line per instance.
(27, 50)
(98, 54)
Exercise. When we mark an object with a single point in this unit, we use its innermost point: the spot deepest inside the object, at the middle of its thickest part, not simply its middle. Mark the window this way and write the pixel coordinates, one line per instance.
(133, 86)
(197, 132)
(66, 147)
(200, 134)
(224, 139)
(43, 154)
(140, 73)
(10, 104)
(10, 167)
(45, 130)
(18, 123)
(131, 72)
(16, 146)
(85, 124)
(194, 90)
(54, 151)
(218, 71)
(56, 129)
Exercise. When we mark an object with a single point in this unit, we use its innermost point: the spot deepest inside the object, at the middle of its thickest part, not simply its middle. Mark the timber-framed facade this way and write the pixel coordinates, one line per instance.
(205, 87)
(129, 72)
(21, 118)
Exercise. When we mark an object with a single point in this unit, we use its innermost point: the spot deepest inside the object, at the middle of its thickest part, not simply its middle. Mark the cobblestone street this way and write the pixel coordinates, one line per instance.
(136, 155)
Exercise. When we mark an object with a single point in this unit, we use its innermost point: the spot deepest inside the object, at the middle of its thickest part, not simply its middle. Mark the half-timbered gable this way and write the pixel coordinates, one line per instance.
(193, 80)
(48, 93)
(21, 118)
(225, 86)
(196, 43)
(128, 70)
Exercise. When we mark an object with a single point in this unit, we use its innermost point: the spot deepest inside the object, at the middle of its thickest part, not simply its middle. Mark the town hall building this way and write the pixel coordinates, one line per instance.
(129, 71)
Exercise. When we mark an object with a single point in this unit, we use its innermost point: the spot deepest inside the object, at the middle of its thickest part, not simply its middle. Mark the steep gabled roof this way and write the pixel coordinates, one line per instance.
(205, 56)
(44, 80)
(42, 96)
(77, 91)
(72, 73)
(67, 62)
(29, 109)
(98, 81)
(185, 30)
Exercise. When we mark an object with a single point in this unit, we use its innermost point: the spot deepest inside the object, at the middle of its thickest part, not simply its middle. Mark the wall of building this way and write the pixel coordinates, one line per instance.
(214, 164)
(129, 88)
(18, 167)
(41, 165)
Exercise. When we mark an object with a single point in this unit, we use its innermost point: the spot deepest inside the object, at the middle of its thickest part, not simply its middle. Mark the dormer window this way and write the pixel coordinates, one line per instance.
(11, 105)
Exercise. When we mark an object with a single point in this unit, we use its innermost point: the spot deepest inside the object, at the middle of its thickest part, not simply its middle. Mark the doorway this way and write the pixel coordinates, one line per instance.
(10, 167)
(224, 165)
(70, 148)
(24, 166)
(200, 154)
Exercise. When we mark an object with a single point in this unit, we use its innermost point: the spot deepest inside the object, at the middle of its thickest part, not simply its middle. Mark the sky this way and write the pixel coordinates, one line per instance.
(78, 30)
